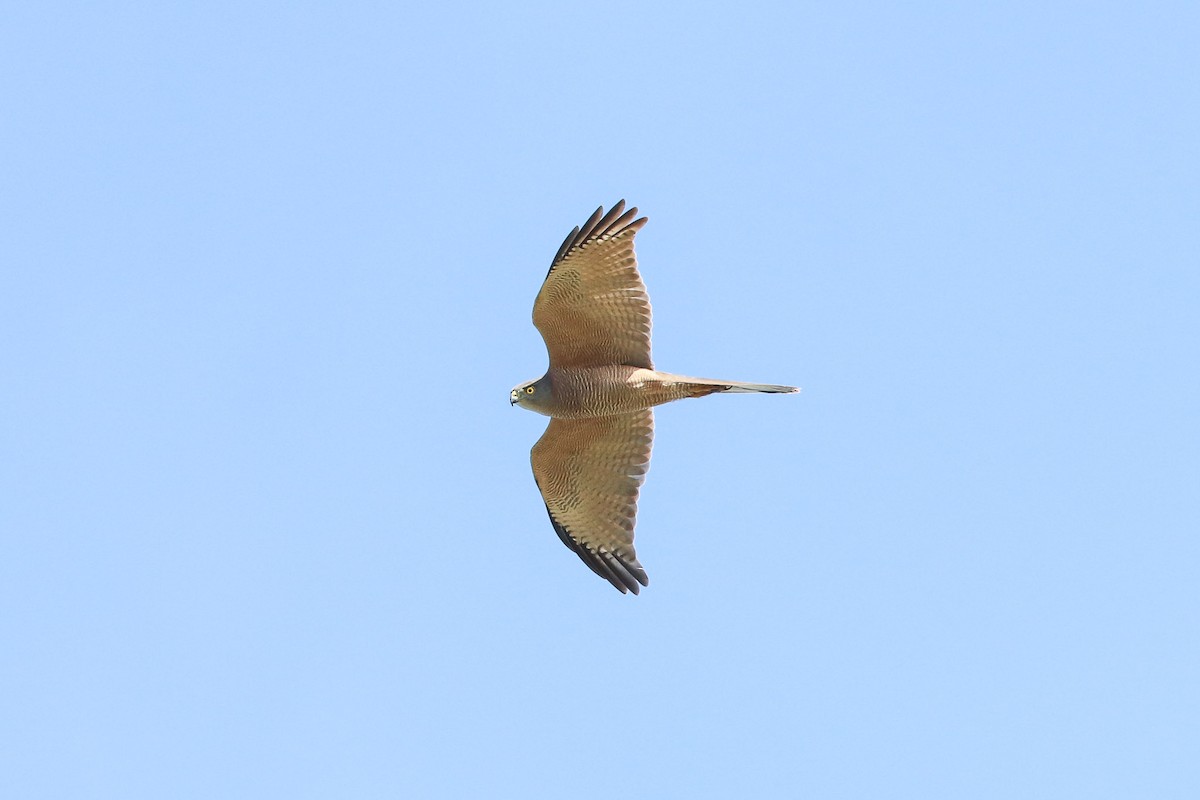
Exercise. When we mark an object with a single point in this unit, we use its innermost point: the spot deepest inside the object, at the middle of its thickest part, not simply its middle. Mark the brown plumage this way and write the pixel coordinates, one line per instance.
(594, 315)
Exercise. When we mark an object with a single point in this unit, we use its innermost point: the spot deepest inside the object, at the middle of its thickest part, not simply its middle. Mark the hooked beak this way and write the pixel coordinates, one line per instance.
(512, 398)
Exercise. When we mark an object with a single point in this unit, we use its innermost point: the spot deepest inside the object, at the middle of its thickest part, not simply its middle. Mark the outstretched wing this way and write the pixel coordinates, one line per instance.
(593, 309)
(589, 472)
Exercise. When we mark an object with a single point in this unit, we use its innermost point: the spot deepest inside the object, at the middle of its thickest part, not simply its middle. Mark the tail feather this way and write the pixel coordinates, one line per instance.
(736, 387)
(704, 386)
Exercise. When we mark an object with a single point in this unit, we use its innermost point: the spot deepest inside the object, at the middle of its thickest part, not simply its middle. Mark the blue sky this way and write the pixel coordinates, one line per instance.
(268, 523)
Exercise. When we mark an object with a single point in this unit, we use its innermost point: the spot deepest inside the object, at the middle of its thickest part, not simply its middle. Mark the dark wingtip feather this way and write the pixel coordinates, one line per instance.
(622, 222)
(619, 568)
(606, 222)
(625, 575)
(565, 246)
(588, 227)
(614, 223)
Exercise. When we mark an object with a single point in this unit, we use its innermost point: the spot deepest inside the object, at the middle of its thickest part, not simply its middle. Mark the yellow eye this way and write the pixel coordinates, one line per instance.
(528, 390)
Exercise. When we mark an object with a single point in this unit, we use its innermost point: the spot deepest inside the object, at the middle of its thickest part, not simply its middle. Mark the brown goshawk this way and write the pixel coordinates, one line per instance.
(594, 315)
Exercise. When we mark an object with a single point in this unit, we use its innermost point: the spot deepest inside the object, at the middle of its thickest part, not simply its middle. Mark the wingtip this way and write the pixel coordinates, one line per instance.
(624, 575)
(629, 573)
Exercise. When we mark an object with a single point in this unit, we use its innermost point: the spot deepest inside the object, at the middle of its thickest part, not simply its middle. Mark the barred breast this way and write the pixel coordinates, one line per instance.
(603, 391)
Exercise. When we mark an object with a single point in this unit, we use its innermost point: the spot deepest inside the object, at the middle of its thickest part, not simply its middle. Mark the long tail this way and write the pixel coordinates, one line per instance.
(736, 387)
(699, 387)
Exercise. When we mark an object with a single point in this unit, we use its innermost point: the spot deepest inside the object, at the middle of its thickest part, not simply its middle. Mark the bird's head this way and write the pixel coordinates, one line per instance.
(532, 395)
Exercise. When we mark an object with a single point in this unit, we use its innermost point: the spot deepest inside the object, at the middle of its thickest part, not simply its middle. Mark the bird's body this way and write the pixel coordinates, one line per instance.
(575, 393)
(594, 315)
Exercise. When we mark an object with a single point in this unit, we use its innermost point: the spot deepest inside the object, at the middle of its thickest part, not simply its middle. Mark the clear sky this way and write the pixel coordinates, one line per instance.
(267, 522)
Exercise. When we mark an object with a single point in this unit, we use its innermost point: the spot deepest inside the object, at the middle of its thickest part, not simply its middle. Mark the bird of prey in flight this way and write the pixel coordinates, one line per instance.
(594, 315)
